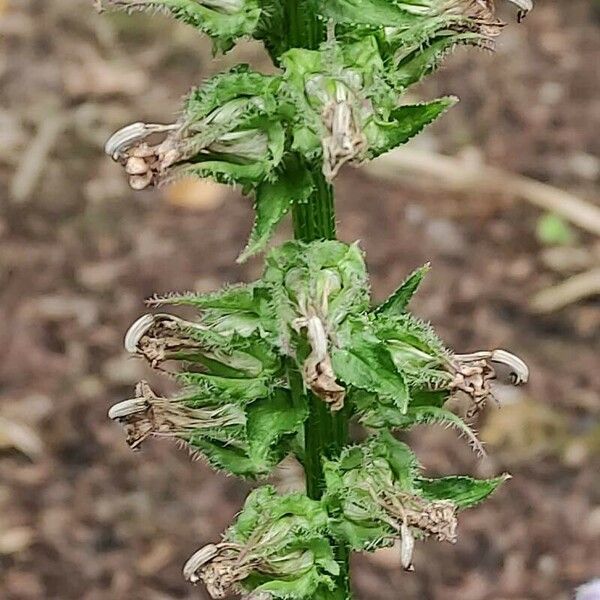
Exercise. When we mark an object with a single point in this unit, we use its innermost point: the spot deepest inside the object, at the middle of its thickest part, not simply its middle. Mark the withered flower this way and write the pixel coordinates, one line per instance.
(149, 415)
(345, 140)
(222, 567)
(478, 16)
(474, 373)
(317, 370)
(186, 142)
(162, 337)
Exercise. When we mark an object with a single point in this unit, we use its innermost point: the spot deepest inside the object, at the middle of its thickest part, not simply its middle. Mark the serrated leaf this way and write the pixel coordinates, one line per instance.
(224, 26)
(404, 123)
(376, 13)
(432, 415)
(398, 301)
(235, 297)
(423, 60)
(368, 366)
(241, 390)
(230, 458)
(294, 184)
(271, 419)
(463, 491)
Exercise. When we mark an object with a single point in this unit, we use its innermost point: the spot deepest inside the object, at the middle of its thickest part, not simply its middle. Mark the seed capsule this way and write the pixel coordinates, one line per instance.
(136, 166)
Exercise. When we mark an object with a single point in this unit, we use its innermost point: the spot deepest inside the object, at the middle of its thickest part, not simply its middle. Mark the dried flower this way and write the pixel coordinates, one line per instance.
(345, 140)
(474, 373)
(317, 369)
(407, 547)
(232, 563)
(149, 415)
(162, 337)
(188, 142)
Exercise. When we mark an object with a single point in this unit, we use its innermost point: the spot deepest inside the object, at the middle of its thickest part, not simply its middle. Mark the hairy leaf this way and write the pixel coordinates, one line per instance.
(463, 491)
(397, 303)
(274, 199)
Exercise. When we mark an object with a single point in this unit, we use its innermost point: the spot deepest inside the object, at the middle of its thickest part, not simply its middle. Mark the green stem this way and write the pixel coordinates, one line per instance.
(326, 433)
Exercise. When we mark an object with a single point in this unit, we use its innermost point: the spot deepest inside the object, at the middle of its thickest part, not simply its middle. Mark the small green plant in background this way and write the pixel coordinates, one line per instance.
(281, 366)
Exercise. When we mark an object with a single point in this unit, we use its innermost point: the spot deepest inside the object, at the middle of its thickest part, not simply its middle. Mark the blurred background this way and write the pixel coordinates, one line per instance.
(502, 196)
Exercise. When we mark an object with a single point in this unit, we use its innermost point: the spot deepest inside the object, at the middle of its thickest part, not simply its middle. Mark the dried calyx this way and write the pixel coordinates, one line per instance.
(474, 373)
(406, 514)
(149, 415)
(436, 518)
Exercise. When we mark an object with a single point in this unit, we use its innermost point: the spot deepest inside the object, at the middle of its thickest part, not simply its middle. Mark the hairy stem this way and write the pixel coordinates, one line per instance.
(326, 433)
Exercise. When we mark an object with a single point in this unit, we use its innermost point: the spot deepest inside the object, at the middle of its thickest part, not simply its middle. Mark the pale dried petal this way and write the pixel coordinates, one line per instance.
(136, 332)
(127, 408)
(197, 561)
(141, 182)
(128, 136)
(317, 370)
(519, 370)
(407, 547)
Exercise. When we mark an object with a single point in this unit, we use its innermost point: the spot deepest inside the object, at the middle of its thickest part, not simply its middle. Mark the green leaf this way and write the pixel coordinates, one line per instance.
(424, 59)
(224, 24)
(271, 419)
(235, 297)
(241, 390)
(399, 456)
(227, 457)
(432, 415)
(294, 184)
(376, 13)
(368, 366)
(463, 491)
(404, 123)
(398, 301)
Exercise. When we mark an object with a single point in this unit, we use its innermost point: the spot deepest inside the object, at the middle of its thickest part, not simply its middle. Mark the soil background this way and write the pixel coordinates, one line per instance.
(81, 517)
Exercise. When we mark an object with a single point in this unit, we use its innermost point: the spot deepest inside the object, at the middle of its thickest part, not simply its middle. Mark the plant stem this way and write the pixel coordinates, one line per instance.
(326, 433)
